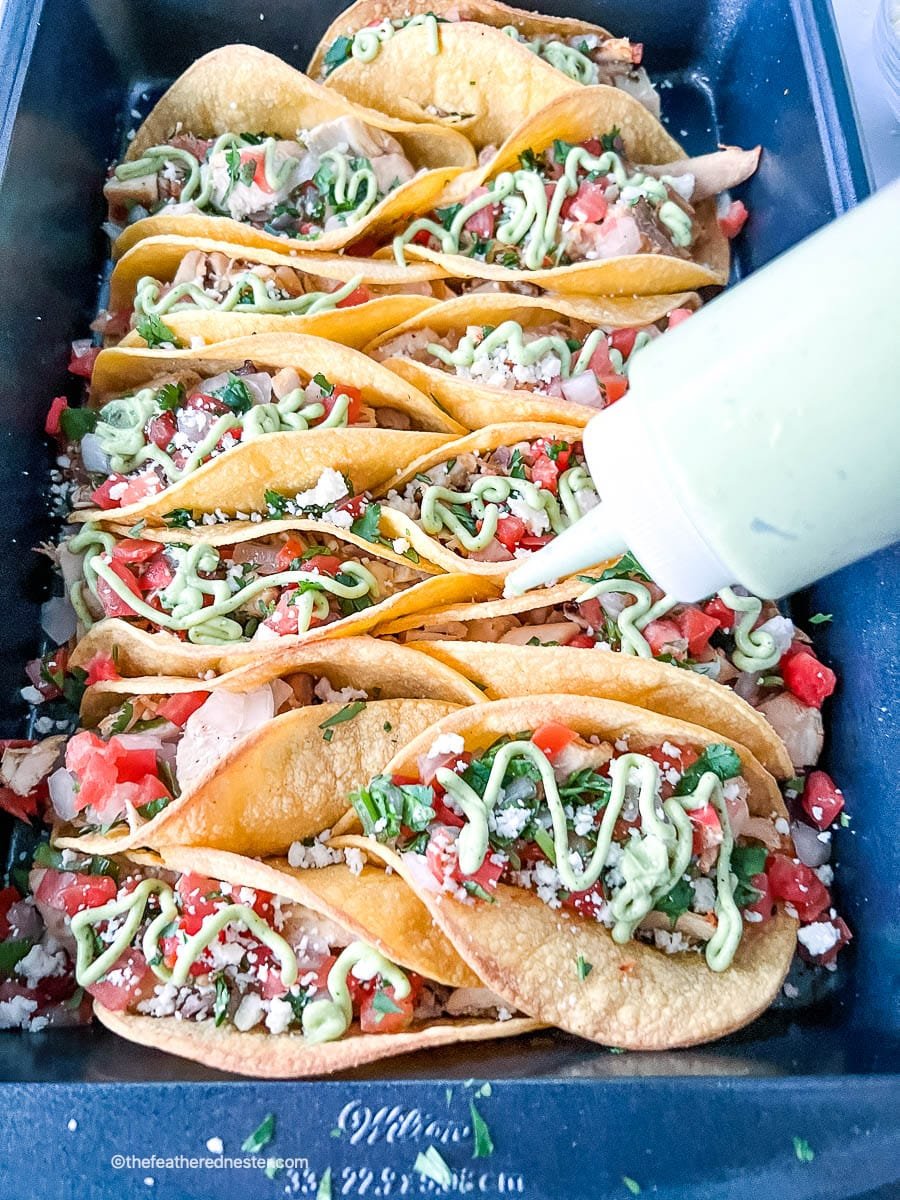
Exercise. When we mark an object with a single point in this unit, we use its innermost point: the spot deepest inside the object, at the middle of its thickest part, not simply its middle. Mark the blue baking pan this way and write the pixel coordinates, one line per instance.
(804, 1103)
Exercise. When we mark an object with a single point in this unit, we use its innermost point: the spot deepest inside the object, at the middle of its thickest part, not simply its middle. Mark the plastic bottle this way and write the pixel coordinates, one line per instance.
(759, 442)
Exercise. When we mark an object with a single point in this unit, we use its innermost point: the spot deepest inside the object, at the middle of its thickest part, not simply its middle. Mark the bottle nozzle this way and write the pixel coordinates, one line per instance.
(589, 541)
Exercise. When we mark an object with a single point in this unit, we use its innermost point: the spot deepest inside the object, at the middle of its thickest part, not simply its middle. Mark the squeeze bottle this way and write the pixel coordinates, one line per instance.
(759, 442)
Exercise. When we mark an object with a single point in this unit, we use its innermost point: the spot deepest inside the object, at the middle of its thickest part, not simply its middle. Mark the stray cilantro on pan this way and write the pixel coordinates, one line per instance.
(820, 618)
(261, 1136)
(483, 1146)
(431, 1165)
(632, 1184)
(803, 1151)
(323, 1192)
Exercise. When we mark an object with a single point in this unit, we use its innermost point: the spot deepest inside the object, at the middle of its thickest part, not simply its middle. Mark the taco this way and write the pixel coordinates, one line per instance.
(245, 149)
(603, 869)
(493, 357)
(210, 429)
(588, 196)
(480, 67)
(213, 291)
(477, 504)
(679, 656)
(262, 969)
(248, 762)
(193, 601)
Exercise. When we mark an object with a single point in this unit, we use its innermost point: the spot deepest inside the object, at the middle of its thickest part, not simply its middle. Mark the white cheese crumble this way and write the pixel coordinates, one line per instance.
(446, 743)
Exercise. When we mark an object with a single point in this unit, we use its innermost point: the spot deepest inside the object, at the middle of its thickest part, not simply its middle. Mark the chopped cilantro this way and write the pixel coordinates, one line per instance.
(545, 841)
(327, 735)
(677, 901)
(336, 1133)
(337, 53)
(384, 806)
(170, 396)
(718, 758)
(178, 518)
(387, 727)
(153, 807)
(12, 952)
(412, 555)
(325, 384)
(627, 565)
(261, 1136)
(528, 160)
(347, 713)
(587, 787)
(747, 861)
(633, 1186)
(384, 1005)
(366, 526)
(323, 1192)
(561, 149)
(276, 504)
(516, 466)
(475, 889)
(483, 1145)
(155, 332)
(820, 618)
(803, 1150)
(844, 820)
(76, 422)
(446, 215)
(235, 394)
(608, 140)
(583, 968)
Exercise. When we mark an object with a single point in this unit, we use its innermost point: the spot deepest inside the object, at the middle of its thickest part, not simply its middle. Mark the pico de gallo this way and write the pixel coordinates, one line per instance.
(657, 845)
(573, 203)
(152, 748)
(137, 445)
(500, 504)
(203, 950)
(565, 358)
(274, 585)
(328, 177)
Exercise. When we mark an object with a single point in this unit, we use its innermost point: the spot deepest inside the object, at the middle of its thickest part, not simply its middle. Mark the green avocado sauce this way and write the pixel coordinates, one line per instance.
(247, 293)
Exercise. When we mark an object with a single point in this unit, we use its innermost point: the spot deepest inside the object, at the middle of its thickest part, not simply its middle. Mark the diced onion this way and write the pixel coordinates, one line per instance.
(63, 796)
(583, 389)
(810, 849)
(93, 455)
(58, 619)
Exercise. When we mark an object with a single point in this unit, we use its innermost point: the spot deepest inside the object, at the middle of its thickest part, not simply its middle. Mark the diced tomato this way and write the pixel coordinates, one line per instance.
(600, 362)
(614, 387)
(697, 628)
(157, 574)
(354, 505)
(487, 876)
(720, 613)
(561, 451)
(822, 799)
(139, 488)
(764, 905)
(23, 808)
(665, 637)
(844, 936)
(323, 971)
(161, 429)
(687, 757)
(535, 541)
(552, 738)
(592, 612)
(178, 708)
(593, 146)
(8, 897)
(58, 405)
(589, 202)
(263, 904)
(707, 828)
(72, 891)
(509, 532)
(354, 395)
(113, 604)
(292, 548)
(128, 975)
(285, 619)
(100, 667)
(581, 641)
(101, 495)
(623, 340)
(545, 473)
(587, 903)
(481, 223)
(200, 896)
(445, 814)
(442, 857)
(273, 985)
(134, 550)
(809, 680)
(325, 564)
(734, 219)
(678, 315)
(360, 295)
(430, 764)
(373, 1021)
(422, 238)
(259, 175)
(132, 763)
(201, 402)
(171, 944)
(797, 884)
(82, 360)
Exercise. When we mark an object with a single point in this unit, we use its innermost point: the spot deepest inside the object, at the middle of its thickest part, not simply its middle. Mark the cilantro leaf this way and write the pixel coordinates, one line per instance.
(627, 565)
(337, 53)
(528, 160)
(678, 900)
(561, 149)
(718, 758)
(235, 394)
(178, 518)
(447, 215)
(384, 806)
(384, 1005)
(324, 383)
(220, 1007)
(155, 332)
(76, 422)
(170, 396)
(366, 526)
(608, 140)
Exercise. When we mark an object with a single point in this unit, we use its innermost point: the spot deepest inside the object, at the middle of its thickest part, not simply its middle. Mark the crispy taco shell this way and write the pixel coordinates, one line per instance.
(374, 907)
(475, 404)
(397, 524)
(283, 781)
(140, 652)
(482, 79)
(160, 257)
(575, 117)
(238, 88)
(635, 997)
